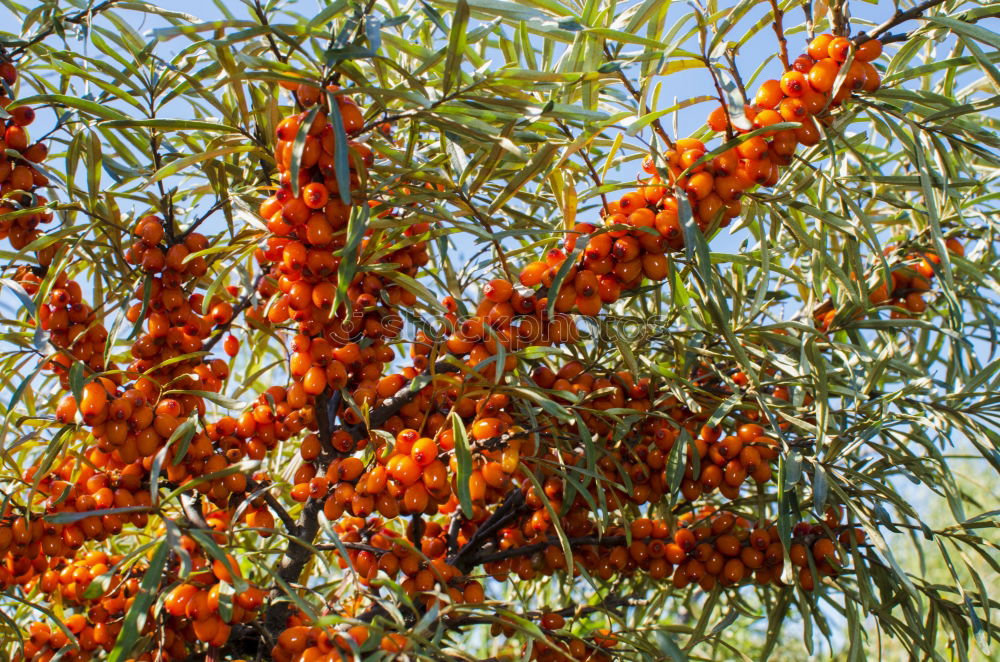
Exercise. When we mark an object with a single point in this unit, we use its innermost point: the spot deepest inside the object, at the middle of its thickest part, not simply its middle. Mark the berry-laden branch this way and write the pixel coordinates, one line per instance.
(507, 511)
(303, 532)
(459, 471)
(242, 305)
(391, 406)
(297, 552)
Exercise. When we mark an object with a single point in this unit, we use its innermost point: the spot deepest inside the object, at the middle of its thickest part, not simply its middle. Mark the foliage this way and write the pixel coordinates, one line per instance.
(849, 309)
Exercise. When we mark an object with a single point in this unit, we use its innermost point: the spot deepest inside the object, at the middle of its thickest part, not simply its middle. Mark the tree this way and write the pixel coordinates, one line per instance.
(411, 331)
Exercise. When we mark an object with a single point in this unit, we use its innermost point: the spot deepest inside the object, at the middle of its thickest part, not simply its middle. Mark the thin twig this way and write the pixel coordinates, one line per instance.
(779, 30)
(657, 126)
(586, 158)
(506, 511)
(80, 18)
(219, 204)
(279, 510)
(897, 18)
(734, 70)
(272, 44)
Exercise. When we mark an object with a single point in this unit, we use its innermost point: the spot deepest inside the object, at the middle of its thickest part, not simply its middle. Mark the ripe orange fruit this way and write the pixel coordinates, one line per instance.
(819, 46)
(868, 50)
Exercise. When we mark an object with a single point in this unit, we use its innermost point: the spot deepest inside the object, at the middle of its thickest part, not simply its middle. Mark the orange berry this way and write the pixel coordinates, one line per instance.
(794, 84)
(403, 469)
(839, 48)
(552, 621)
(769, 95)
(424, 451)
(718, 120)
(819, 46)
(868, 50)
(498, 290)
(823, 74)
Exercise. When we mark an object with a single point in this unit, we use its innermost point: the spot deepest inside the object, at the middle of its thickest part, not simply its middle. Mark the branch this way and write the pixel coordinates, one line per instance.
(838, 18)
(262, 17)
(204, 217)
(301, 536)
(81, 17)
(391, 406)
(279, 510)
(298, 550)
(897, 18)
(657, 126)
(779, 30)
(610, 603)
(504, 513)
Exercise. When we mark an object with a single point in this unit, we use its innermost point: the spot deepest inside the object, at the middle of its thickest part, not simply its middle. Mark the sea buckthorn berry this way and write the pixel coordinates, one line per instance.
(498, 290)
(690, 157)
(8, 73)
(307, 95)
(769, 95)
(766, 118)
(823, 74)
(552, 621)
(533, 273)
(839, 48)
(868, 50)
(630, 202)
(872, 78)
(718, 120)
(808, 133)
(802, 64)
(819, 46)
(22, 115)
(315, 195)
(685, 539)
(424, 451)
(752, 148)
(813, 101)
(792, 110)
(794, 84)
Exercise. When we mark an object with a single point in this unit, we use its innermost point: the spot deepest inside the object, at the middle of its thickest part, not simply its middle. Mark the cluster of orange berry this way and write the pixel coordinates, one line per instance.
(597, 646)
(191, 607)
(423, 564)
(19, 178)
(645, 224)
(910, 282)
(194, 603)
(723, 462)
(68, 493)
(71, 324)
(308, 220)
(706, 548)
(93, 495)
(304, 643)
(343, 331)
(97, 623)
